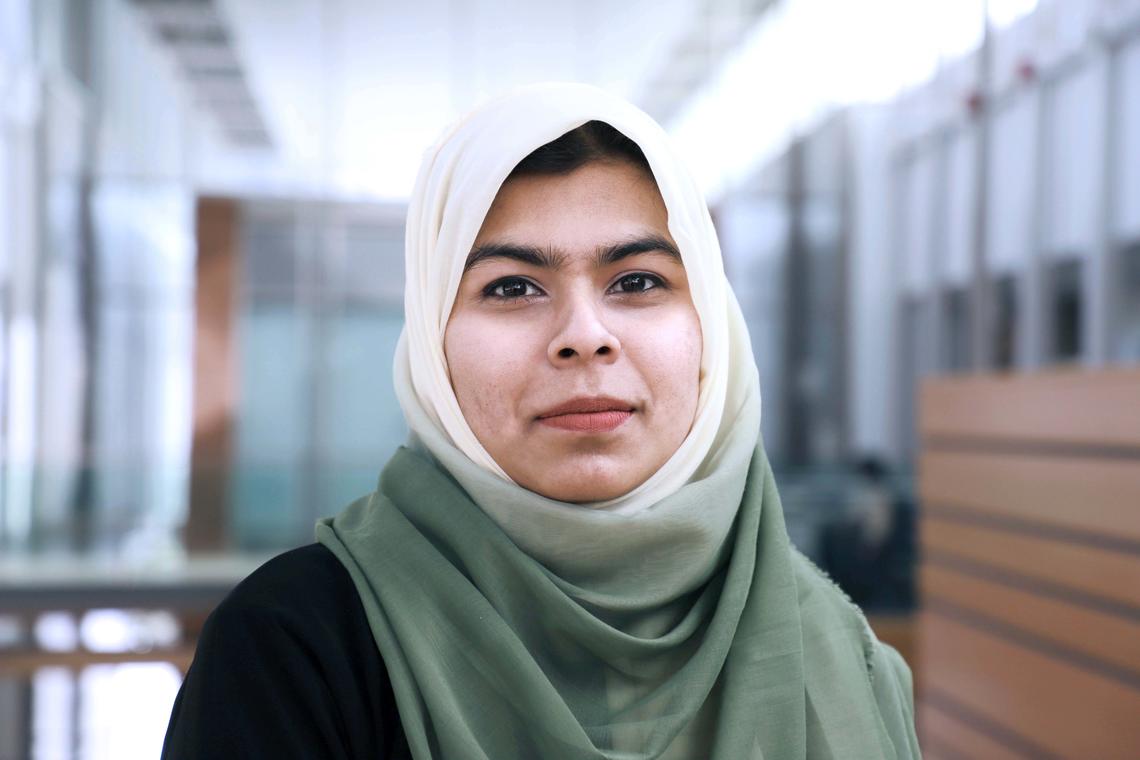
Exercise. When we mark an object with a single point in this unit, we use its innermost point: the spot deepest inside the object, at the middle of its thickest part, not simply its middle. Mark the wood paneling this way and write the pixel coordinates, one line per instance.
(1112, 639)
(896, 630)
(957, 738)
(1097, 408)
(1076, 712)
(215, 373)
(1100, 496)
(1085, 569)
(1029, 642)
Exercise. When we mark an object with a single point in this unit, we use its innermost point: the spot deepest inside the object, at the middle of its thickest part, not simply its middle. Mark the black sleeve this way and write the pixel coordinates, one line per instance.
(285, 668)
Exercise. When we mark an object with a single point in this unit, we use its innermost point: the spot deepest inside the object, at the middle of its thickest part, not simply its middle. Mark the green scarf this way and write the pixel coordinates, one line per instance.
(699, 641)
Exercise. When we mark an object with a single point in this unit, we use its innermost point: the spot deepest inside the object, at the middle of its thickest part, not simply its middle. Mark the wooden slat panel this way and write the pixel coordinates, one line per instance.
(937, 753)
(896, 630)
(1076, 712)
(941, 729)
(1099, 407)
(901, 632)
(1113, 639)
(1101, 496)
(1107, 574)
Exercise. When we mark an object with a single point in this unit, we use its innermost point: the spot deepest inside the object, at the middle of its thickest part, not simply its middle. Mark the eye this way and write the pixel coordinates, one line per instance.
(510, 288)
(637, 282)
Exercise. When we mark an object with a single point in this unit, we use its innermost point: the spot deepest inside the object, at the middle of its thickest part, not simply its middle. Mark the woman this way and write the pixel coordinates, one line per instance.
(581, 553)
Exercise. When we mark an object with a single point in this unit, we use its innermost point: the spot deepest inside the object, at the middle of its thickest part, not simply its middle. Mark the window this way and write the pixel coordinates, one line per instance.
(1065, 310)
(955, 329)
(320, 314)
(1004, 305)
(1126, 340)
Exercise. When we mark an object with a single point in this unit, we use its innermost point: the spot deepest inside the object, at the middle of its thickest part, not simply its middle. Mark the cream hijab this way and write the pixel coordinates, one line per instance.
(459, 179)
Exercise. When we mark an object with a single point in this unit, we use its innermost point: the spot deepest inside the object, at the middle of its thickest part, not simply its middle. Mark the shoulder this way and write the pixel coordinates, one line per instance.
(302, 597)
(310, 567)
(286, 666)
(308, 579)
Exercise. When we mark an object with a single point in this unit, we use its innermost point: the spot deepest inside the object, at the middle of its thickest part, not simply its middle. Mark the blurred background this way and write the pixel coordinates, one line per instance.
(929, 210)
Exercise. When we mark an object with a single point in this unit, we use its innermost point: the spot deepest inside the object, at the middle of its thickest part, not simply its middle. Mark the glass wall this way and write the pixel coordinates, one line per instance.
(320, 311)
(1125, 209)
(1061, 212)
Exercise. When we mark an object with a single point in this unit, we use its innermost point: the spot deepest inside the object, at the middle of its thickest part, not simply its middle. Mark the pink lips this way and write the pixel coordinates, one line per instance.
(588, 415)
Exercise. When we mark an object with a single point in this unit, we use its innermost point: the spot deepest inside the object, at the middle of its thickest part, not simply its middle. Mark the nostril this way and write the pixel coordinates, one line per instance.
(604, 350)
(566, 353)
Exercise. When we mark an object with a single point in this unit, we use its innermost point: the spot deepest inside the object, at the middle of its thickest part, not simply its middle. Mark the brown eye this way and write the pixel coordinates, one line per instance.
(511, 287)
(637, 282)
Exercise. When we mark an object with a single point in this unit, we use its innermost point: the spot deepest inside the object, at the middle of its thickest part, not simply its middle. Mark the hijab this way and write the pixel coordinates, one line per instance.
(671, 622)
(453, 193)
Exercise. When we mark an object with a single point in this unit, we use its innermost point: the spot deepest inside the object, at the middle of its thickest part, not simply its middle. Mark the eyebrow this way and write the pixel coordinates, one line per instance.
(549, 258)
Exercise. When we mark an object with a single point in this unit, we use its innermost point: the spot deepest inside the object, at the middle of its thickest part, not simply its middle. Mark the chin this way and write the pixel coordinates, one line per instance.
(584, 485)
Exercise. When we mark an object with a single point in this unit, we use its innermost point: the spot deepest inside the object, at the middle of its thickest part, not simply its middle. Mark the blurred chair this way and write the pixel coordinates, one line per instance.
(1029, 635)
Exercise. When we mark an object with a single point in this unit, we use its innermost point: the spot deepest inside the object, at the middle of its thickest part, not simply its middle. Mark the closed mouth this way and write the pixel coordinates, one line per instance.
(597, 414)
(588, 405)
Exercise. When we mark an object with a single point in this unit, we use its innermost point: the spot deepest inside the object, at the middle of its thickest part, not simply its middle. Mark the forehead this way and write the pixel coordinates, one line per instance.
(601, 199)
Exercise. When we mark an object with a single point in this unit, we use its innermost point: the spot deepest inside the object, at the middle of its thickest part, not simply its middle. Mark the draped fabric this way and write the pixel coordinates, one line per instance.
(493, 655)
(673, 622)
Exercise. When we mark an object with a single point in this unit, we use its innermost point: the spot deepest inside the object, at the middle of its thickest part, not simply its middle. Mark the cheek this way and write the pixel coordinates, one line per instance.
(671, 353)
(689, 352)
(486, 363)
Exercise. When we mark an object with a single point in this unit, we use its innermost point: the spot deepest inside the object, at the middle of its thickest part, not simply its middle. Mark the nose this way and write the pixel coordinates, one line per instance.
(582, 335)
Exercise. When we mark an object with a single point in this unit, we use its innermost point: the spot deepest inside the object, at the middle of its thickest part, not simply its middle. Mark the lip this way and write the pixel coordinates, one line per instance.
(588, 414)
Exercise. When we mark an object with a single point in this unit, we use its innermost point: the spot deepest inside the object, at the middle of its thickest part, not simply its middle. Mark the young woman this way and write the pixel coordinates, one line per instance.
(581, 553)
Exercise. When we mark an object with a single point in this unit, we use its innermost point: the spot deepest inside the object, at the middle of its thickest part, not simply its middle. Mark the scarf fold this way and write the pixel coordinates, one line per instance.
(492, 655)
(674, 622)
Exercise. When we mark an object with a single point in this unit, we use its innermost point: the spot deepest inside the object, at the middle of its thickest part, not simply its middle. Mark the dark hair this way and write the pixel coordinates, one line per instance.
(593, 141)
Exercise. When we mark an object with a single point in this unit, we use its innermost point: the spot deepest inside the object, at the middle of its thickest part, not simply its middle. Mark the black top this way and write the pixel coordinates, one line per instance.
(286, 667)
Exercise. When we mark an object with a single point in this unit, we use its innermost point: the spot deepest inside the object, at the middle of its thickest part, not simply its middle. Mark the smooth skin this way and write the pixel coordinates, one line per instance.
(574, 289)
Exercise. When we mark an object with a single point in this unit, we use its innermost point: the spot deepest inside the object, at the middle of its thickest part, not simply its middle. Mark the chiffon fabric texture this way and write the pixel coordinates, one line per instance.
(673, 622)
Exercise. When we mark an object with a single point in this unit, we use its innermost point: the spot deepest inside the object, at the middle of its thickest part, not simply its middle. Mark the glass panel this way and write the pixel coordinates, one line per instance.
(317, 418)
(270, 256)
(911, 340)
(61, 420)
(270, 489)
(1005, 327)
(121, 451)
(918, 220)
(1126, 341)
(360, 423)
(142, 355)
(956, 329)
(1065, 310)
(371, 269)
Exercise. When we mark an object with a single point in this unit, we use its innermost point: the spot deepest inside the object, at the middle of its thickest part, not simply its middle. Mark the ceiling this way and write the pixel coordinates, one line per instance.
(347, 94)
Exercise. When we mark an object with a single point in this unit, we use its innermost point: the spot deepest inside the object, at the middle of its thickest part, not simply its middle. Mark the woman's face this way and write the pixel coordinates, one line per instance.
(573, 345)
